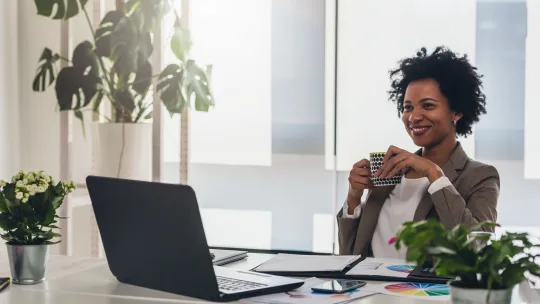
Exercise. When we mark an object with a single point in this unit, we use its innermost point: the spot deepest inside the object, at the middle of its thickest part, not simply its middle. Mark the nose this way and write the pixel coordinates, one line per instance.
(416, 115)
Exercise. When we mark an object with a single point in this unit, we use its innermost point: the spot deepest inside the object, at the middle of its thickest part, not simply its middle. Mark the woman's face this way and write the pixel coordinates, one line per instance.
(427, 115)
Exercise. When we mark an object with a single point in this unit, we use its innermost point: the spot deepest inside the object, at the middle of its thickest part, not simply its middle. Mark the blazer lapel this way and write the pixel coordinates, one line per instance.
(370, 217)
(451, 170)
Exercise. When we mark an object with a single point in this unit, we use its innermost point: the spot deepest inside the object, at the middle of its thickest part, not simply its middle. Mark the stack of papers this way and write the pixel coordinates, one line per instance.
(283, 263)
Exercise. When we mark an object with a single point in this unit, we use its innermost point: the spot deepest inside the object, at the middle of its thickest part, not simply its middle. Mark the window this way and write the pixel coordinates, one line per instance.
(258, 159)
(270, 163)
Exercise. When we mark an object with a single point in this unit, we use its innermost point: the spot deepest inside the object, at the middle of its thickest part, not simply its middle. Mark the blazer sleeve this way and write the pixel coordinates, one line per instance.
(480, 203)
(347, 229)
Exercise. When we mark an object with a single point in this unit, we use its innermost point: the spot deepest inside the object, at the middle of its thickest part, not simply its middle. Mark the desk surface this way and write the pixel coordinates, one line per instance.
(86, 280)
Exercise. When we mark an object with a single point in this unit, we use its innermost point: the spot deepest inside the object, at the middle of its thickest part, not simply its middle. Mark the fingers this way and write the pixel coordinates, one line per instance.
(398, 167)
(392, 150)
(359, 177)
(360, 183)
(395, 163)
(361, 171)
(364, 163)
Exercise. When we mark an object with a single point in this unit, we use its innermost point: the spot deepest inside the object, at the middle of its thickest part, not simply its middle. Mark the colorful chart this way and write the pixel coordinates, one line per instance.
(401, 268)
(419, 289)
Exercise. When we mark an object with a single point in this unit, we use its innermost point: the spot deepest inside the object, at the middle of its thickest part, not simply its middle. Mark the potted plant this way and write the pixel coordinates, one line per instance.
(115, 67)
(485, 272)
(28, 216)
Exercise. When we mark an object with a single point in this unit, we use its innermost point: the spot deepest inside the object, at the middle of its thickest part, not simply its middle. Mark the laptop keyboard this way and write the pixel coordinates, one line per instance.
(228, 284)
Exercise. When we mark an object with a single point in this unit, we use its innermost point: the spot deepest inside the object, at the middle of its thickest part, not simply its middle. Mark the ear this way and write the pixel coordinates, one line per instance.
(457, 116)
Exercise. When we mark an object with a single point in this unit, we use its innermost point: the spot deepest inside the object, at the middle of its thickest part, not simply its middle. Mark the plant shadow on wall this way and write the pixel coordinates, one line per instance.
(115, 66)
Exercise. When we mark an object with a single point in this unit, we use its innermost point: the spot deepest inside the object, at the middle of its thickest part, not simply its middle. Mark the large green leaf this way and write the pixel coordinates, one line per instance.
(198, 85)
(80, 81)
(143, 78)
(181, 42)
(65, 9)
(71, 84)
(130, 47)
(84, 59)
(107, 26)
(45, 74)
(170, 89)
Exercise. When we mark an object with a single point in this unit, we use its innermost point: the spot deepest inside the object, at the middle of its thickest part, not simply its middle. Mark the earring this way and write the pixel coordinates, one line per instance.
(455, 122)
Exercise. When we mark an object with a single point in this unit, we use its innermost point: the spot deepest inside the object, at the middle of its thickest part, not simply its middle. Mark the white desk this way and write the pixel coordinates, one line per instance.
(86, 280)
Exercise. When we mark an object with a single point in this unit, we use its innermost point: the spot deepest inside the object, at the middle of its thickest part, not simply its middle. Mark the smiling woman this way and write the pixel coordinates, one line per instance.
(438, 97)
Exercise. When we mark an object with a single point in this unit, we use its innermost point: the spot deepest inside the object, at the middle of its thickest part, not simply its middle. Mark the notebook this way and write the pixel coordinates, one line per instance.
(221, 257)
(348, 267)
(305, 265)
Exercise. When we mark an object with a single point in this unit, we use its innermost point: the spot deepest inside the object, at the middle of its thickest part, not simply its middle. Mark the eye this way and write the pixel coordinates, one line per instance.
(429, 105)
(407, 108)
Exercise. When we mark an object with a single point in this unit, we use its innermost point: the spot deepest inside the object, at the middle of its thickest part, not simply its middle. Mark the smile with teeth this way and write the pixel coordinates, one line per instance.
(419, 130)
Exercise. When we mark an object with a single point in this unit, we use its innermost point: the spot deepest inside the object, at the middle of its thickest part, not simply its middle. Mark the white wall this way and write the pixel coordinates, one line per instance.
(39, 120)
(9, 131)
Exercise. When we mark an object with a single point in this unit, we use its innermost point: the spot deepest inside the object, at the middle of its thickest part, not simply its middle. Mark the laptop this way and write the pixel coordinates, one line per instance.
(153, 237)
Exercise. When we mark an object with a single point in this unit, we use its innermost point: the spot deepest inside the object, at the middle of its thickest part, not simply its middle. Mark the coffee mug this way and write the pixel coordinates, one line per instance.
(375, 161)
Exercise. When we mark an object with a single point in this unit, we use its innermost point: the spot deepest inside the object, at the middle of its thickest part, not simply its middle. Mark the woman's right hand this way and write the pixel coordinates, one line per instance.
(359, 180)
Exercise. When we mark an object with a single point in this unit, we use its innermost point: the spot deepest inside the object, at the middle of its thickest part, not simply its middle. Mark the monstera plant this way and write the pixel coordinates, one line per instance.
(115, 65)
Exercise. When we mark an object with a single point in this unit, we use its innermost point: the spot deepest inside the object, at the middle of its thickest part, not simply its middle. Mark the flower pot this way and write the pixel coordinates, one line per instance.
(463, 295)
(123, 150)
(28, 263)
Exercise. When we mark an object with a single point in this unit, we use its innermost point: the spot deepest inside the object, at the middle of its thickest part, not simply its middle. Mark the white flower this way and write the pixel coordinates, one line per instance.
(24, 200)
(2, 183)
(19, 184)
(19, 196)
(25, 181)
(41, 189)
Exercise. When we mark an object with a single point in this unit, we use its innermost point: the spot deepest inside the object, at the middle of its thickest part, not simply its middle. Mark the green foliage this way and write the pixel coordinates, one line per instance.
(116, 65)
(65, 9)
(28, 208)
(499, 264)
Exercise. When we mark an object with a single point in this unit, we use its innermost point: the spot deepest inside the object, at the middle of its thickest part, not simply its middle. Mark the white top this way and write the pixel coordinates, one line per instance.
(398, 208)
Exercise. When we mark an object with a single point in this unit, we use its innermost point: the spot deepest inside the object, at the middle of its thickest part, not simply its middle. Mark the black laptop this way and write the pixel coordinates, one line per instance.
(153, 237)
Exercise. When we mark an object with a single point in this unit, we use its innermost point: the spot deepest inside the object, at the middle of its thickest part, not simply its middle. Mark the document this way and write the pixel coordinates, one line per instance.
(307, 263)
(382, 267)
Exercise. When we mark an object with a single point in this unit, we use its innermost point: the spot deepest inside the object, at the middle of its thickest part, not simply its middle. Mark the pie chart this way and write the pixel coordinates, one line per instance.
(401, 268)
(419, 289)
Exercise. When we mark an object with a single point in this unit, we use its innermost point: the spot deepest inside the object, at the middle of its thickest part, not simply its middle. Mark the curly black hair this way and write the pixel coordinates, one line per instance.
(457, 78)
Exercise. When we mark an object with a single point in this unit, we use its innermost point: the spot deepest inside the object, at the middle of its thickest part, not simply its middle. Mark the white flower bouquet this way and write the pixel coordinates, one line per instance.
(28, 207)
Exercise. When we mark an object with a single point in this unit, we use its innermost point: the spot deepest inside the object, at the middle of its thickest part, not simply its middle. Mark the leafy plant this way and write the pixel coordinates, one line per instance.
(116, 66)
(28, 207)
(500, 264)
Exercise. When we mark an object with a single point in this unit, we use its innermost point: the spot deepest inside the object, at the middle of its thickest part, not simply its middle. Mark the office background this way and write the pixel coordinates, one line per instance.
(263, 162)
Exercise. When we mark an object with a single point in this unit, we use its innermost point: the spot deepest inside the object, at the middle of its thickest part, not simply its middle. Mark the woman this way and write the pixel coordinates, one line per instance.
(438, 97)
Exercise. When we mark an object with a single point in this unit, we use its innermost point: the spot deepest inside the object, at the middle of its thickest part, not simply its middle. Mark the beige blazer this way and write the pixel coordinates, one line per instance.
(472, 198)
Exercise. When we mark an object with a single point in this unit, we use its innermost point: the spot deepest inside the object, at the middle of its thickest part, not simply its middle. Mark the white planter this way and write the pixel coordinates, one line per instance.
(463, 295)
(123, 150)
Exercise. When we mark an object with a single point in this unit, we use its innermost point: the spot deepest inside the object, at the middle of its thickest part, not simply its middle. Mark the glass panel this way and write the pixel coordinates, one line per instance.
(247, 201)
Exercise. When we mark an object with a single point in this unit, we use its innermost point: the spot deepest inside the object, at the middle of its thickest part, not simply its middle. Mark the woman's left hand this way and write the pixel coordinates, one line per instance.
(397, 159)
